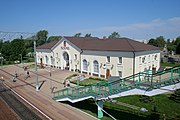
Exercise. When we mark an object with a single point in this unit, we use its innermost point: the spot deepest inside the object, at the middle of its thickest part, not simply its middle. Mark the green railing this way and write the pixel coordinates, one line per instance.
(146, 80)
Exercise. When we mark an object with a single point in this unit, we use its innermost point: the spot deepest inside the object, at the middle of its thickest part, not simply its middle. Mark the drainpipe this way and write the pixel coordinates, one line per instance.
(133, 64)
(80, 60)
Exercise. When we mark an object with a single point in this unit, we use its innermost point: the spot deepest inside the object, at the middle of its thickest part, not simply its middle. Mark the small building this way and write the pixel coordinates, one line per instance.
(99, 57)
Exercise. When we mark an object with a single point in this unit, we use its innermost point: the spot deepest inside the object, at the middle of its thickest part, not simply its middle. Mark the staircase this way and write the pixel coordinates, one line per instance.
(146, 83)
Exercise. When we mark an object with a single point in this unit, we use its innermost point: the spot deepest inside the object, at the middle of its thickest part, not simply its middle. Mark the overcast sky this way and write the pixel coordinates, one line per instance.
(137, 19)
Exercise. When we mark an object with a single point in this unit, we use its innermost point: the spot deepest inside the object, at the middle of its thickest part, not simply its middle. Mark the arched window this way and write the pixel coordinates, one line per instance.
(85, 66)
(47, 59)
(64, 43)
(96, 66)
(52, 60)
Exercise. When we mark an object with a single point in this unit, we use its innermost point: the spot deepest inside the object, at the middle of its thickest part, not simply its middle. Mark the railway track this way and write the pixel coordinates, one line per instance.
(24, 112)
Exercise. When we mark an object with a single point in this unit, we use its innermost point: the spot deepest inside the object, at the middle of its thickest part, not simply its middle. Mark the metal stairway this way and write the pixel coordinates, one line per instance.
(147, 83)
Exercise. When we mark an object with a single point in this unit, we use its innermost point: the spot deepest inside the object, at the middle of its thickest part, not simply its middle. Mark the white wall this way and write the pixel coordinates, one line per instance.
(101, 56)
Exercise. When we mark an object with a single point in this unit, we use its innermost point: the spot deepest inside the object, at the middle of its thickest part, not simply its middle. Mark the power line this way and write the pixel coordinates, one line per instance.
(14, 35)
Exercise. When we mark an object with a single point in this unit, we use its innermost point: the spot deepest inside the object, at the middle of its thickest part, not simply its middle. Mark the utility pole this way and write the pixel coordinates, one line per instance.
(36, 72)
(21, 57)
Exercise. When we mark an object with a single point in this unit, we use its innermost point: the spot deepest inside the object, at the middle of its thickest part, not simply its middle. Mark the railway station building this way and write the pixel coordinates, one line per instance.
(99, 57)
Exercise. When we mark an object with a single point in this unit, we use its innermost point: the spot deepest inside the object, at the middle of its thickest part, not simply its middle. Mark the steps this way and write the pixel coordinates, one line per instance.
(142, 82)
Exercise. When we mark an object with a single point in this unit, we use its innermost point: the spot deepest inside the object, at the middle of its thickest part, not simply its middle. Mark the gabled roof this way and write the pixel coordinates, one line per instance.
(48, 45)
(113, 44)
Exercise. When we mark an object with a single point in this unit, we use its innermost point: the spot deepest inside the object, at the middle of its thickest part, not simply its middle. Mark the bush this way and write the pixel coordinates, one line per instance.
(145, 99)
(175, 96)
(98, 79)
(73, 75)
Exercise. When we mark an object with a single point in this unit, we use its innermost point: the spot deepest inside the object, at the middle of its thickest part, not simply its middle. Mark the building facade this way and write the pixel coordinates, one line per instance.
(99, 57)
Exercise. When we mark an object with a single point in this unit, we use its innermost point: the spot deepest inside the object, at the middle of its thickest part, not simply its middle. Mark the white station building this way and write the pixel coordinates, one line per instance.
(99, 57)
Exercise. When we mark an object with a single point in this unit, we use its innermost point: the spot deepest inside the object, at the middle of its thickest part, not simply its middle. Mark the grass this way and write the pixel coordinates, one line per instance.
(167, 64)
(162, 102)
(71, 76)
(88, 81)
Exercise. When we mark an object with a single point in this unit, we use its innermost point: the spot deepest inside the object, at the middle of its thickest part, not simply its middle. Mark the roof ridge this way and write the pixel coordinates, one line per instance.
(130, 44)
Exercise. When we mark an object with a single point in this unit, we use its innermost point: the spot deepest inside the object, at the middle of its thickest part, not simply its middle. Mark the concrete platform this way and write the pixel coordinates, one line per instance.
(42, 99)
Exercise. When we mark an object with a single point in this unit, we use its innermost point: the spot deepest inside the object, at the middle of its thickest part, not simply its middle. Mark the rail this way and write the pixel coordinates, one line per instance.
(147, 80)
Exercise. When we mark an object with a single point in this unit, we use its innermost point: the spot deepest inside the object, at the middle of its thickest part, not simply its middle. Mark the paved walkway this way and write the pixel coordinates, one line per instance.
(42, 99)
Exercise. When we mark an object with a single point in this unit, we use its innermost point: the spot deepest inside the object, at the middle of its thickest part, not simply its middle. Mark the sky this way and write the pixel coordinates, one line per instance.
(135, 19)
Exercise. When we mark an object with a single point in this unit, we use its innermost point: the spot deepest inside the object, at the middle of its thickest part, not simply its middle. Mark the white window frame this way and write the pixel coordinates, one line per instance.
(85, 65)
(119, 60)
(75, 56)
(64, 43)
(120, 75)
(139, 60)
(96, 66)
(108, 59)
(47, 59)
(52, 60)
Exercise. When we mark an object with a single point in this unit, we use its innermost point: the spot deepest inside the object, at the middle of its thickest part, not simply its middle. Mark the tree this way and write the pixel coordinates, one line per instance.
(41, 37)
(6, 50)
(88, 35)
(152, 41)
(174, 45)
(29, 45)
(52, 38)
(18, 48)
(77, 35)
(158, 42)
(178, 49)
(114, 35)
(177, 44)
(1, 44)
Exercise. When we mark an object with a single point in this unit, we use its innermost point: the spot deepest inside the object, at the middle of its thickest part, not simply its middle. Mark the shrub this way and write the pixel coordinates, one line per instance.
(145, 99)
(73, 75)
(175, 96)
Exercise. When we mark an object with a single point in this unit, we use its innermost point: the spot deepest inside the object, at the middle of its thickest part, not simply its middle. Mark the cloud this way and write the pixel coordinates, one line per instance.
(169, 28)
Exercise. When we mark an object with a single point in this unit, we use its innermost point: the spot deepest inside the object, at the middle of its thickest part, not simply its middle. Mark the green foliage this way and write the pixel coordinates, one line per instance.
(77, 35)
(18, 48)
(41, 37)
(88, 35)
(1, 43)
(145, 99)
(158, 42)
(168, 64)
(71, 76)
(29, 45)
(52, 38)
(114, 35)
(99, 79)
(175, 96)
(162, 105)
(174, 45)
(11, 51)
(89, 81)
(178, 49)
